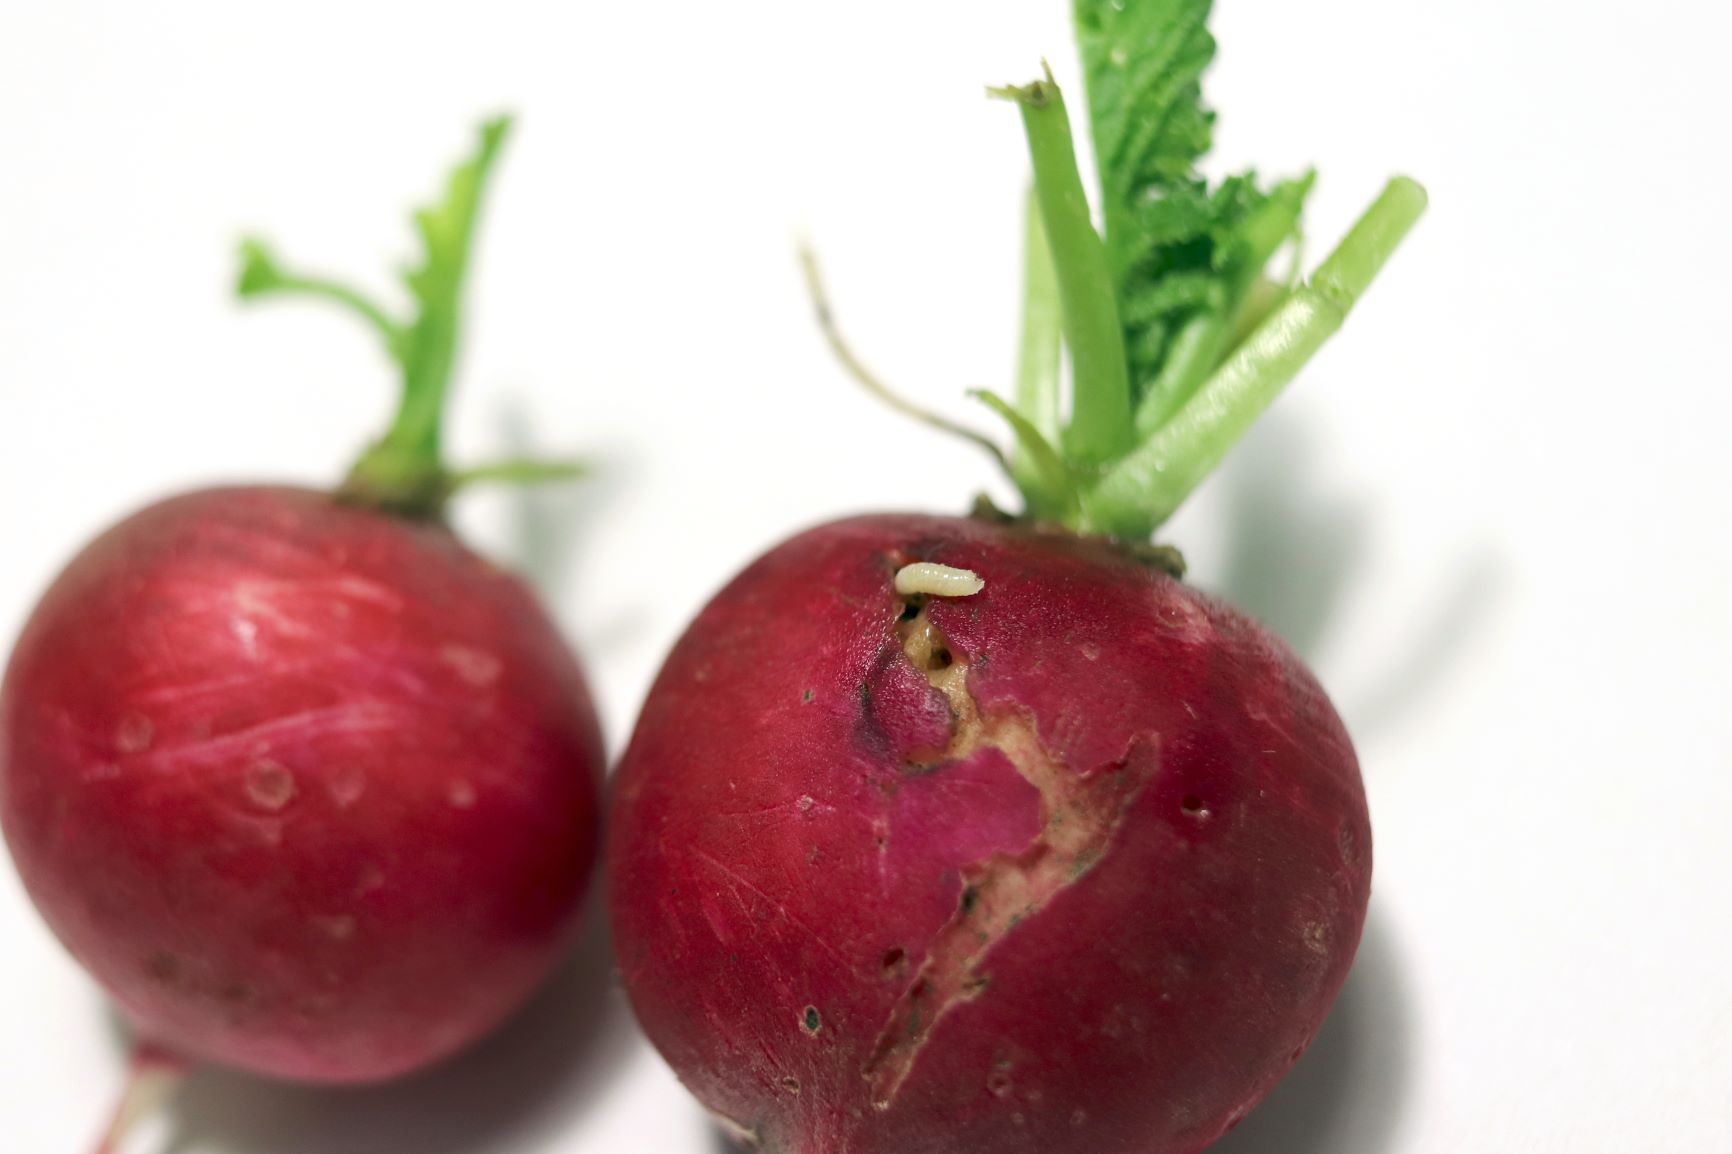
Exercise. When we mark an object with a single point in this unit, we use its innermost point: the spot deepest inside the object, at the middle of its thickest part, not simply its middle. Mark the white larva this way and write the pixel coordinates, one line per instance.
(937, 580)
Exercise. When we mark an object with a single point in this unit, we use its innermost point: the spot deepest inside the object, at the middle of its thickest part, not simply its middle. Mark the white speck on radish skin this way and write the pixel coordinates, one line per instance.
(134, 734)
(247, 633)
(271, 786)
(472, 665)
(347, 785)
(340, 927)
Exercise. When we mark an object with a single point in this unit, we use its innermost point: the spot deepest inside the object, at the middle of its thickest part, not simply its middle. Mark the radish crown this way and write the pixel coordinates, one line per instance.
(405, 470)
(1177, 335)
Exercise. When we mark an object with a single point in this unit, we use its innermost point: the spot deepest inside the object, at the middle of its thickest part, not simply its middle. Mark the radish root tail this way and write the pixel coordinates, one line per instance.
(152, 1078)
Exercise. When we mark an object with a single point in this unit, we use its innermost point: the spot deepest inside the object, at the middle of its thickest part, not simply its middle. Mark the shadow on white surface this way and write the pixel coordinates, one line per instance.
(1292, 545)
(1345, 1094)
(1473, 594)
(1292, 551)
(551, 534)
(548, 519)
(517, 1090)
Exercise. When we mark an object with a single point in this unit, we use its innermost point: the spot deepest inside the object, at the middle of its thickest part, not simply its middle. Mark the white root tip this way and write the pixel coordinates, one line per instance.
(152, 1079)
(744, 1136)
(937, 580)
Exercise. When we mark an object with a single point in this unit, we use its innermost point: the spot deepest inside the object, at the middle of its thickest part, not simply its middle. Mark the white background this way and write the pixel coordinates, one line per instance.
(1494, 515)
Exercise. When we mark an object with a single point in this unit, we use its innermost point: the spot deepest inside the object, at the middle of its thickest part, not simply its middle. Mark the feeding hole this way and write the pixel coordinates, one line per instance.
(810, 1021)
(1192, 806)
(895, 962)
(922, 641)
(791, 1085)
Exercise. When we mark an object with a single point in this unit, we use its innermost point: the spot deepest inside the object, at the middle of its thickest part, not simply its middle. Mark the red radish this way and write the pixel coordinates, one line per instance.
(1025, 854)
(948, 835)
(307, 785)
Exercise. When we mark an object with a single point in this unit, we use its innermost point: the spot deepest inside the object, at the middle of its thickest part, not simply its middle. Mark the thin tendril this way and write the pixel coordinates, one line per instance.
(867, 379)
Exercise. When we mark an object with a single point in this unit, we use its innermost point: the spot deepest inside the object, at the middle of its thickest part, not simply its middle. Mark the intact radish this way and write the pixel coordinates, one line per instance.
(306, 784)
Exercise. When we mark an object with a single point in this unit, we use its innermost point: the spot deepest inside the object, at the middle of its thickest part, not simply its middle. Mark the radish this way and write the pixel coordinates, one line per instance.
(942, 835)
(308, 786)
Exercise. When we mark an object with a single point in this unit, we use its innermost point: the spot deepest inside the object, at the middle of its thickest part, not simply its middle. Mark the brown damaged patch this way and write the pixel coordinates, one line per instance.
(1079, 816)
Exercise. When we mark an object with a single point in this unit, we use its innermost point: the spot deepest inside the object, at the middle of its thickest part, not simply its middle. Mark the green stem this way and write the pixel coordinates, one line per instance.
(430, 348)
(1100, 427)
(1041, 353)
(1260, 300)
(404, 471)
(1146, 487)
(516, 471)
(1192, 353)
(867, 379)
(1050, 491)
(262, 275)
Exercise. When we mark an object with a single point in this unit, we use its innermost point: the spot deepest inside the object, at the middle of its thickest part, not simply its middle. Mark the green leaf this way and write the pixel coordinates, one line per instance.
(1181, 215)
(1185, 254)
(262, 275)
(1143, 489)
(428, 348)
(1187, 289)
(404, 470)
(1143, 64)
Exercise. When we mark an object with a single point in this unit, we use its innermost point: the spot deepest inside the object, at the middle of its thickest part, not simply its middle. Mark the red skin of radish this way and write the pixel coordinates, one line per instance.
(312, 790)
(789, 854)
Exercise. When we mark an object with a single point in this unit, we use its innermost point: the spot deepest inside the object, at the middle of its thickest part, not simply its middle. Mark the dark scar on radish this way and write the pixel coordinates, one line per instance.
(868, 729)
(1079, 816)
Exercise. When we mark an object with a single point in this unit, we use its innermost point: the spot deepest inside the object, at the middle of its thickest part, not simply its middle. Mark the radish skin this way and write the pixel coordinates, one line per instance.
(1075, 864)
(312, 790)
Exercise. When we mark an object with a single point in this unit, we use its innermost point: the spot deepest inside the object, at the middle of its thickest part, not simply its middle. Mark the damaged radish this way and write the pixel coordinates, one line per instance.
(951, 834)
(307, 785)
